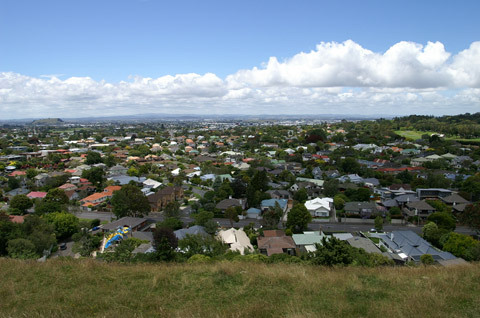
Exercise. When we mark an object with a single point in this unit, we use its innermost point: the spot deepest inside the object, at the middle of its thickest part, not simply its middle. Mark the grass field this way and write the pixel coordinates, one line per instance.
(86, 288)
(416, 134)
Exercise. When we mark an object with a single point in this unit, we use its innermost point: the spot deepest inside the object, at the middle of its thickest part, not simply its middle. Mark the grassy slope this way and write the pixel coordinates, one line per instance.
(416, 134)
(68, 288)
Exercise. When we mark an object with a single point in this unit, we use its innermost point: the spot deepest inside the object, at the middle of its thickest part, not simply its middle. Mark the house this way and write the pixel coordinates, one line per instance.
(151, 184)
(254, 213)
(123, 179)
(419, 208)
(135, 224)
(270, 203)
(307, 241)
(433, 193)
(117, 170)
(164, 196)
(364, 243)
(364, 209)
(227, 203)
(410, 246)
(236, 239)
(279, 194)
(193, 230)
(96, 199)
(275, 242)
(354, 178)
(320, 207)
(37, 195)
(454, 199)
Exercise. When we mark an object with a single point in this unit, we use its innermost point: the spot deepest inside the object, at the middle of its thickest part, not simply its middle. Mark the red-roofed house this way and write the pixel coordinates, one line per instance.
(98, 198)
(17, 174)
(16, 218)
(37, 195)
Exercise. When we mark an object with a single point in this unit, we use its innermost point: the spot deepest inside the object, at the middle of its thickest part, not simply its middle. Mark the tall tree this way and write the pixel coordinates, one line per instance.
(298, 218)
(130, 201)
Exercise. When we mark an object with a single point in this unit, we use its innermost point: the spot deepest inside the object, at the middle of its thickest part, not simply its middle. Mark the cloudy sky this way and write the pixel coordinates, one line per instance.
(118, 57)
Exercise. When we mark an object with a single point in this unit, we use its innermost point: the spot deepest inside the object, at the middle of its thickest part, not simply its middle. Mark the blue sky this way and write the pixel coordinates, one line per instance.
(114, 40)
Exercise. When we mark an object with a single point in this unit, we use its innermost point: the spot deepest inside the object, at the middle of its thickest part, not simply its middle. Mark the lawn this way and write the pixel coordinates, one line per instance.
(87, 288)
(416, 134)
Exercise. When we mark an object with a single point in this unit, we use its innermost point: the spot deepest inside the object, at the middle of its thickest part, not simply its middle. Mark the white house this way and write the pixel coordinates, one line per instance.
(320, 206)
(236, 239)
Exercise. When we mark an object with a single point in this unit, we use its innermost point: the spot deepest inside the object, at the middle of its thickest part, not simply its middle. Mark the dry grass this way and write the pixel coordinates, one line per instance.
(69, 288)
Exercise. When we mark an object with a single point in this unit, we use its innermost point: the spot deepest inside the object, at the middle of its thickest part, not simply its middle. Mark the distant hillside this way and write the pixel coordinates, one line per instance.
(87, 288)
(48, 121)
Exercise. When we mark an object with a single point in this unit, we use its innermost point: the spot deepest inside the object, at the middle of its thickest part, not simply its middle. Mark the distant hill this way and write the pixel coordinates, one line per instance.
(88, 288)
(48, 121)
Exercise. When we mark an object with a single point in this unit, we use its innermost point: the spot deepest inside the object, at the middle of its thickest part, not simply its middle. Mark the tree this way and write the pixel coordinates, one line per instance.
(298, 218)
(379, 223)
(330, 188)
(31, 173)
(13, 183)
(57, 195)
(350, 165)
(232, 214)
(462, 245)
(427, 259)
(95, 175)
(301, 195)
(45, 207)
(171, 223)
(21, 248)
(93, 157)
(21, 202)
(272, 216)
(86, 243)
(165, 243)
(443, 220)
(130, 201)
(172, 209)
(199, 244)
(211, 227)
(202, 217)
(332, 252)
(471, 216)
(65, 224)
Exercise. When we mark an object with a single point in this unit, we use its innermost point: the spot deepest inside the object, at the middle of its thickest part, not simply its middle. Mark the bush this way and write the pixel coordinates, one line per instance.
(199, 258)
(427, 259)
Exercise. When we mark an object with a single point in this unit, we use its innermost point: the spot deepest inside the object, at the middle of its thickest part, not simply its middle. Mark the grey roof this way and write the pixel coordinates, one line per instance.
(128, 221)
(194, 230)
(342, 236)
(390, 203)
(308, 238)
(144, 248)
(404, 198)
(420, 205)
(412, 245)
(454, 198)
(122, 180)
(144, 236)
(364, 243)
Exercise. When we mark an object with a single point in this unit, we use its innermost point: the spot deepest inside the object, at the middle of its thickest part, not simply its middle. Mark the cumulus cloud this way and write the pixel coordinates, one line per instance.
(333, 78)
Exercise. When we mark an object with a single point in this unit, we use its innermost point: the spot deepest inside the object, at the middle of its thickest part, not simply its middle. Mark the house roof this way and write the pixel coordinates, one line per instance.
(364, 243)
(225, 204)
(412, 245)
(37, 195)
(308, 238)
(420, 205)
(193, 230)
(237, 239)
(125, 221)
(274, 241)
(454, 199)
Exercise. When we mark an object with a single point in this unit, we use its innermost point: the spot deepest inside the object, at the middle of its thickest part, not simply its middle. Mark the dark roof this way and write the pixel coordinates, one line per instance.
(420, 205)
(125, 221)
(364, 243)
(274, 241)
(194, 230)
(356, 206)
(454, 199)
(225, 204)
(413, 245)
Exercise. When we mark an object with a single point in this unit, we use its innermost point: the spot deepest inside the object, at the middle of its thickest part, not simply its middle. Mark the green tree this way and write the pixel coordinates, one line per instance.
(21, 248)
(298, 218)
(443, 220)
(199, 244)
(21, 202)
(427, 259)
(165, 243)
(301, 195)
(130, 201)
(93, 157)
(462, 245)
(379, 223)
(211, 227)
(65, 224)
(172, 209)
(13, 183)
(232, 215)
(171, 223)
(95, 175)
(31, 173)
(57, 195)
(86, 243)
(202, 217)
(330, 188)
(471, 216)
(272, 216)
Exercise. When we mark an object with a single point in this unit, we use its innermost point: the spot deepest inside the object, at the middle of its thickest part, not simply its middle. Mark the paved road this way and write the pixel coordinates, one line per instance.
(328, 227)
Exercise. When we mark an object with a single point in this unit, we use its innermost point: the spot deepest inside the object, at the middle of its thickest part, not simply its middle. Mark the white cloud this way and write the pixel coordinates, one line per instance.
(333, 78)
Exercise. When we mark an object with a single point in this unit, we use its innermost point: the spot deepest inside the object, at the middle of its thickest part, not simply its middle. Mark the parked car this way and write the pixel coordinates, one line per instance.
(63, 246)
